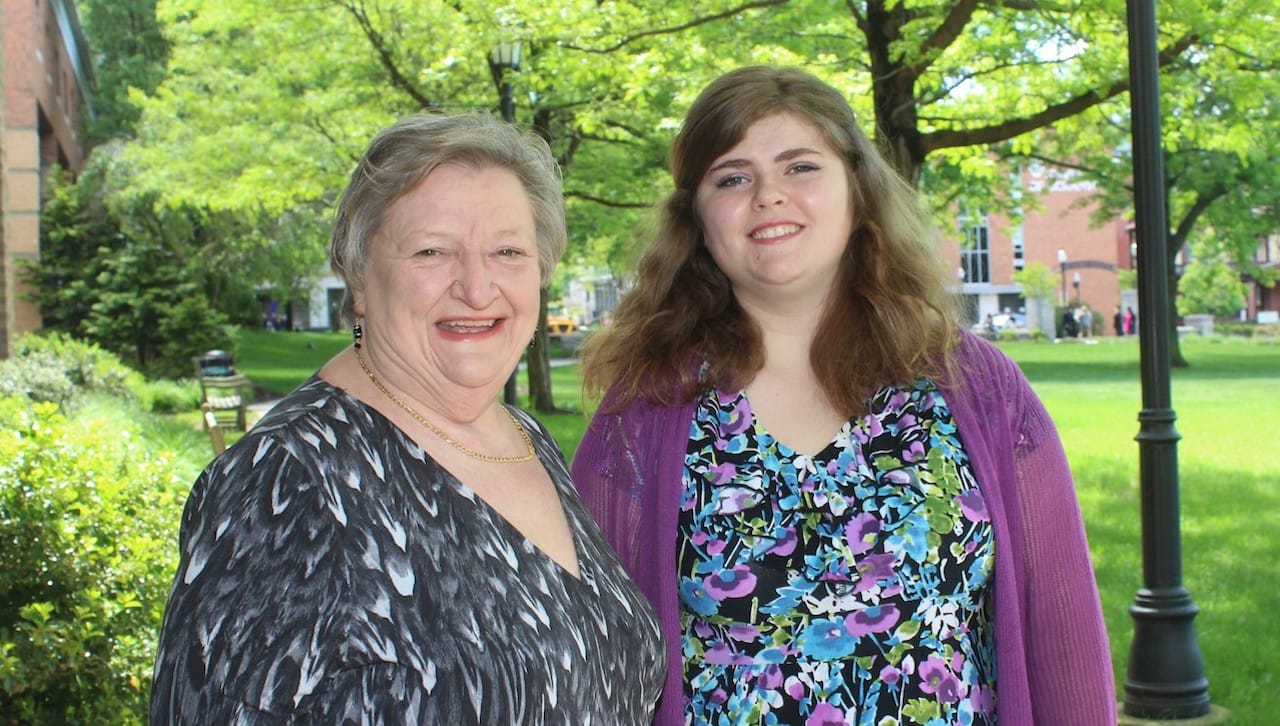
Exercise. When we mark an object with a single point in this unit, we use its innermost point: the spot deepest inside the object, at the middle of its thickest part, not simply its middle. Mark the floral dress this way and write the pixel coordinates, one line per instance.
(852, 586)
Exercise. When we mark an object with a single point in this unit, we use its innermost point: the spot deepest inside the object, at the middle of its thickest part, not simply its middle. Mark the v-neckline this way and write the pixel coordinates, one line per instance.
(760, 429)
(514, 532)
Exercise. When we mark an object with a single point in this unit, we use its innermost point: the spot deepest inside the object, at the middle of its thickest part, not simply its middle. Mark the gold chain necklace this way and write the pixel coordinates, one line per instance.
(528, 443)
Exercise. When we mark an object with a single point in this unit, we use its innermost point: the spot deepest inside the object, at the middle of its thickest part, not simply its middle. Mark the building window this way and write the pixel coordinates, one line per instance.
(975, 253)
(1019, 249)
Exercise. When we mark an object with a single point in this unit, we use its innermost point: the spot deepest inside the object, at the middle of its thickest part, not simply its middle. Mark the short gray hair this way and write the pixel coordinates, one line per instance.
(403, 154)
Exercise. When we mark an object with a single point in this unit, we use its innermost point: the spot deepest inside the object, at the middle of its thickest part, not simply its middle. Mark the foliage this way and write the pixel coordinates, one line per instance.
(125, 290)
(1037, 281)
(166, 396)
(86, 521)
(1210, 283)
(129, 53)
(1268, 332)
(56, 368)
(264, 109)
(1221, 154)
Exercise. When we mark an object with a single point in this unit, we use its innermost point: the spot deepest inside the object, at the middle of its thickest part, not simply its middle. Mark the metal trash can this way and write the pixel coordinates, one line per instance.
(216, 363)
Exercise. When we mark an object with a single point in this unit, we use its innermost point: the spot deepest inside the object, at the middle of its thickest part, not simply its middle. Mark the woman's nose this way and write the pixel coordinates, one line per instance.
(474, 284)
(768, 193)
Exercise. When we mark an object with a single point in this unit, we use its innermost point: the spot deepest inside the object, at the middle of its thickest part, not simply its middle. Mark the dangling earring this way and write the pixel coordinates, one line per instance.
(357, 333)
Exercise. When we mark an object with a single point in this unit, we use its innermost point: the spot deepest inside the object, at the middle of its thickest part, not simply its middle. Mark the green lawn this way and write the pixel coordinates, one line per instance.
(1229, 477)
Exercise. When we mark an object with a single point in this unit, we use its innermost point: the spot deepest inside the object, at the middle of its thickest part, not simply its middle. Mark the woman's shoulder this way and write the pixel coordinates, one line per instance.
(979, 366)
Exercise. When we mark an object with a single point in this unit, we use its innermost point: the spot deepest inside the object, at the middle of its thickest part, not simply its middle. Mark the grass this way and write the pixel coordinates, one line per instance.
(1229, 482)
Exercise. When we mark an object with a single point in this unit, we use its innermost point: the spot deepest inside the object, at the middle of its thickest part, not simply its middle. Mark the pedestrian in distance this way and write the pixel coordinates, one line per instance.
(844, 506)
(391, 544)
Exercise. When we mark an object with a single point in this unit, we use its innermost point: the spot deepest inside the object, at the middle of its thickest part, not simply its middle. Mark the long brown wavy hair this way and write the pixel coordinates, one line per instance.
(889, 319)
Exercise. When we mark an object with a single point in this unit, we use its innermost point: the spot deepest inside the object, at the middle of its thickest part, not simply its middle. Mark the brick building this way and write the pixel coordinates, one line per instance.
(1057, 233)
(45, 82)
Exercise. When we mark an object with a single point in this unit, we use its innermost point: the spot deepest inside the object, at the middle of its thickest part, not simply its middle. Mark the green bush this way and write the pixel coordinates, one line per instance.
(88, 516)
(59, 369)
(90, 497)
(38, 376)
(1248, 330)
(167, 397)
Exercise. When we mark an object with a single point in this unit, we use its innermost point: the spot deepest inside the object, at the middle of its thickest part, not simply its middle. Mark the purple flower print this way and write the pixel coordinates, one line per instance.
(722, 654)
(732, 500)
(744, 633)
(769, 678)
(983, 700)
(939, 681)
(874, 568)
(787, 544)
(874, 619)
(860, 532)
(724, 473)
(725, 584)
(973, 506)
(890, 675)
(914, 452)
(826, 715)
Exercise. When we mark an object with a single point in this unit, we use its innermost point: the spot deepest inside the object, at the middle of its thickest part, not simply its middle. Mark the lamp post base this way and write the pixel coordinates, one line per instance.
(1216, 715)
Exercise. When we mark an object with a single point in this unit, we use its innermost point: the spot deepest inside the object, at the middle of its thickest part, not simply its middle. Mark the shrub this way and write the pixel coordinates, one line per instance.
(88, 514)
(166, 397)
(38, 376)
(86, 365)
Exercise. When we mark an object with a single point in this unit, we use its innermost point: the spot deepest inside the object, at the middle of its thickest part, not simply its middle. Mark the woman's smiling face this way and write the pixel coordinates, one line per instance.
(451, 294)
(776, 211)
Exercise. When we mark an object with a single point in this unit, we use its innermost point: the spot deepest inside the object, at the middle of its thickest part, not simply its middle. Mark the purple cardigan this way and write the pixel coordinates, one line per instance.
(1053, 664)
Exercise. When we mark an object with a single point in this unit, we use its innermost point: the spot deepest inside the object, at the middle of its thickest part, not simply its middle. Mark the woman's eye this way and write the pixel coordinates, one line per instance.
(732, 180)
(512, 252)
(801, 167)
(429, 252)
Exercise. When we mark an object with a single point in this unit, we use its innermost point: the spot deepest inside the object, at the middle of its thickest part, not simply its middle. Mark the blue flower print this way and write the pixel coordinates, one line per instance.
(695, 597)
(825, 640)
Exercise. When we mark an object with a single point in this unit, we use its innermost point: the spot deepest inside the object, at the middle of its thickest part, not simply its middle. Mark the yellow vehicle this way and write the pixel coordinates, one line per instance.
(559, 325)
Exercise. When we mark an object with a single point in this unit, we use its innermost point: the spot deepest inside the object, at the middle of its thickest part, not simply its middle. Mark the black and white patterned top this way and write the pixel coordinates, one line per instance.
(332, 572)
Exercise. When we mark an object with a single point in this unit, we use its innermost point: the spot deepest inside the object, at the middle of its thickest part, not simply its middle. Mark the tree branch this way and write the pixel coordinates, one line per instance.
(627, 40)
(1070, 107)
(383, 51)
(574, 194)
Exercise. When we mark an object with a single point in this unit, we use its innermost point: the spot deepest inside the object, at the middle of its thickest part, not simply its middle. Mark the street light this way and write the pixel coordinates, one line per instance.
(1075, 282)
(1166, 678)
(1133, 255)
(506, 57)
(1062, 265)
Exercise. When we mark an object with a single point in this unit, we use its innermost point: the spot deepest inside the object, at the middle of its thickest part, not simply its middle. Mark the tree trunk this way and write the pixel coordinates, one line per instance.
(541, 399)
(1175, 345)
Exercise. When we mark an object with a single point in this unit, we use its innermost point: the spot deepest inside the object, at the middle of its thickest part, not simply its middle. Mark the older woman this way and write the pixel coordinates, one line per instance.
(391, 544)
(844, 509)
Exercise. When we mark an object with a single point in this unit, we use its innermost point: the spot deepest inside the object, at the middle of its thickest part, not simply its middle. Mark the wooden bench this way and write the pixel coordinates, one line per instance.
(224, 396)
(217, 439)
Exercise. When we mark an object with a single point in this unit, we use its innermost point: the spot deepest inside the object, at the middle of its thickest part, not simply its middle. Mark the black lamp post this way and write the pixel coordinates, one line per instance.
(1062, 266)
(1075, 283)
(1166, 677)
(506, 57)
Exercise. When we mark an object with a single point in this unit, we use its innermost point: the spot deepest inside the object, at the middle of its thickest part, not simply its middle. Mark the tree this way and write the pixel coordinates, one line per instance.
(1221, 149)
(1210, 284)
(133, 291)
(264, 108)
(129, 57)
